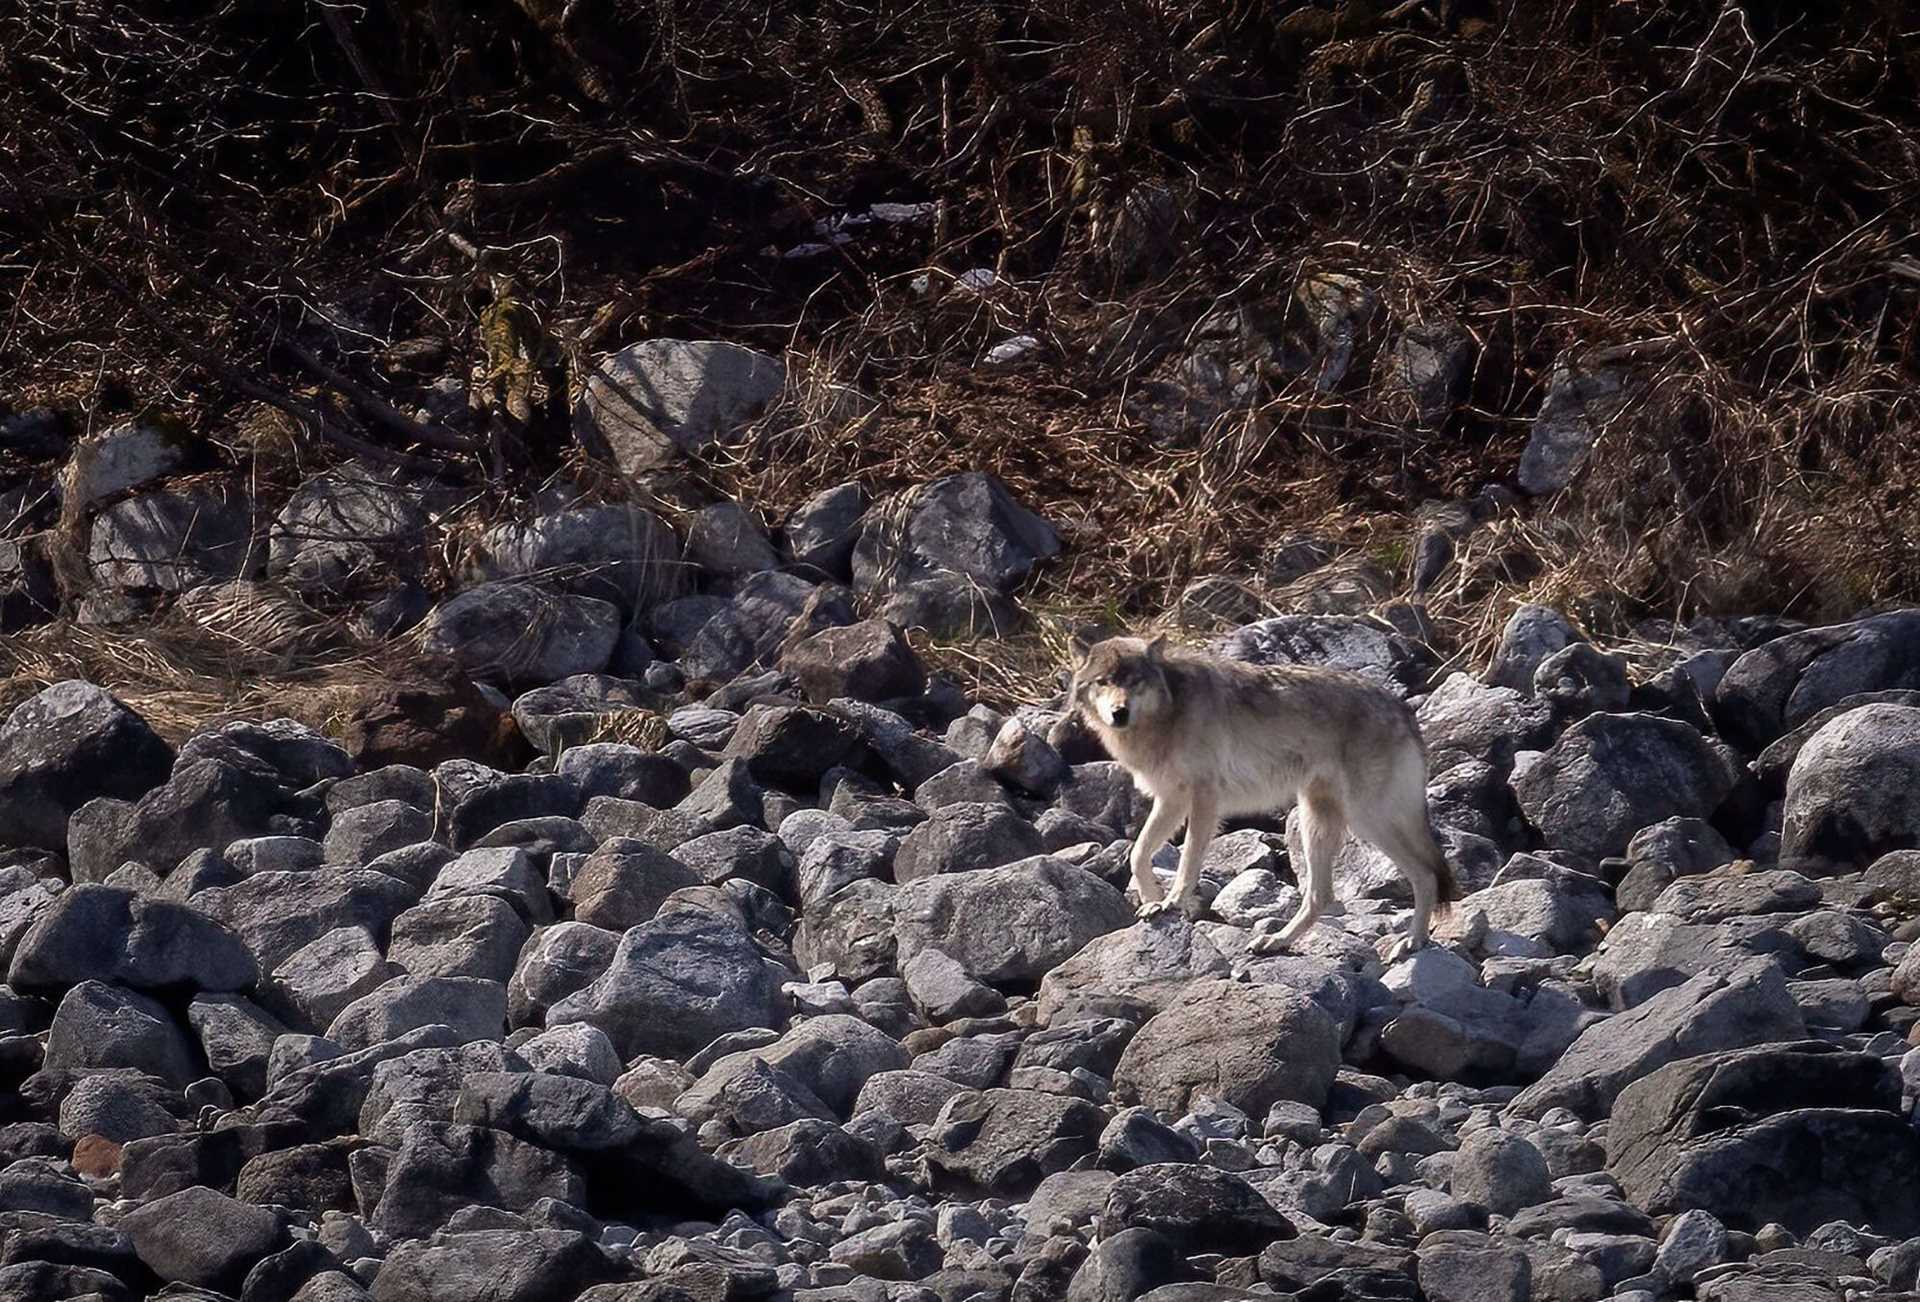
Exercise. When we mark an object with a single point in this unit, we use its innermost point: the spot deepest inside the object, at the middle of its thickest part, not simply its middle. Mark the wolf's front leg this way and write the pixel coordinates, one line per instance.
(1166, 815)
(1203, 820)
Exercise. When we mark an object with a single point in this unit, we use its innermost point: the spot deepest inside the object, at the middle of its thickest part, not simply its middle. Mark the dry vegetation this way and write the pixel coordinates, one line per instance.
(219, 207)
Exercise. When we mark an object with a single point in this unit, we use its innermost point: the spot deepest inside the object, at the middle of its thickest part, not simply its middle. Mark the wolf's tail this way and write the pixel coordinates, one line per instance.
(1447, 886)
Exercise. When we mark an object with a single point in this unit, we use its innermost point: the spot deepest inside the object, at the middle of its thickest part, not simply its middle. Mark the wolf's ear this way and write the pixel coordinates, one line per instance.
(1157, 650)
(1078, 648)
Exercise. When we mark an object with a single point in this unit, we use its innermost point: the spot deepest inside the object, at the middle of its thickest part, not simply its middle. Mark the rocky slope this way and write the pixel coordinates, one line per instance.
(821, 983)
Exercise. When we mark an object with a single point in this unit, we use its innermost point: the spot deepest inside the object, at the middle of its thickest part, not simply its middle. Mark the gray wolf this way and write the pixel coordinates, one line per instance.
(1210, 738)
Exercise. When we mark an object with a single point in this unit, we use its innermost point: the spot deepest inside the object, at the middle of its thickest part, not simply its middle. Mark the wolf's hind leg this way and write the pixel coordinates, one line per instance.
(1323, 825)
(1410, 843)
(1166, 816)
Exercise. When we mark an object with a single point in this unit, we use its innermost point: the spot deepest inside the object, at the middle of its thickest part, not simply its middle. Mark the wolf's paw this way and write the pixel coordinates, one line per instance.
(1154, 908)
(1401, 948)
(1271, 942)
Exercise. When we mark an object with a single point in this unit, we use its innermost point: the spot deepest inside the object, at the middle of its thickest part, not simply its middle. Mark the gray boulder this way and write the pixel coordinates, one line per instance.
(1363, 646)
(442, 1168)
(837, 858)
(316, 1091)
(943, 991)
(965, 836)
(1024, 759)
(278, 913)
(761, 1098)
(745, 854)
(66, 745)
(1009, 924)
(1795, 1134)
(623, 773)
(358, 836)
(346, 528)
(202, 805)
(489, 804)
(807, 1152)
(649, 404)
(851, 932)
(1450, 1025)
(1783, 682)
(475, 1009)
(1747, 1005)
(569, 712)
(274, 854)
(1131, 973)
(822, 531)
(676, 983)
(792, 745)
(620, 553)
(1251, 1046)
(573, 1050)
(1463, 720)
(314, 983)
(290, 752)
(1580, 678)
(913, 1098)
(120, 1106)
(904, 1250)
(563, 1113)
(1649, 952)
(29, 589)
(38, 1186)
(724, 539)
(767, 611)
(124, 456)
(1665, 851)
(1853, 793)
(1610, 775)
(1428, 367)
(1544, 910)
(624, 882)
(952, 607)
(1774, 763)
(522, 632)
(1723, 895)
(106, 933)
(966, 524)
(1198, 1208)
(171, 541)
(460, 936)
(236, 1038)
(1005, 1141)
(98, 1025)
(831, 1056)
(1578, 404)
(556, 962)
(202, 1237)
(423, 1084)
(867, 661)
(1135, 1138)
(1532, 633)
(1457, 1265)
(1501, 1172)
(502, 1265)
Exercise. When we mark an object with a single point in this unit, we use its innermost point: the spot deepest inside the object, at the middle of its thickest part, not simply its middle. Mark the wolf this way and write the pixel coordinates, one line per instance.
(1210, 738)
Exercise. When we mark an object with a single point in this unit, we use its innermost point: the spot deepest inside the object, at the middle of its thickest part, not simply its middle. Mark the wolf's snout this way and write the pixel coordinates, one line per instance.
(1119, 713)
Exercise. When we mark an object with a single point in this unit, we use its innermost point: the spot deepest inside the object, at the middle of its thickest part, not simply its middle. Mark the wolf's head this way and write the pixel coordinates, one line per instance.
(1120, 683)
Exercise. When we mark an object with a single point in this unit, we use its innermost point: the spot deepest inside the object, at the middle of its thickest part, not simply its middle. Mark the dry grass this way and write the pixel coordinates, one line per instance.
(181, 676)
(1719, 195)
